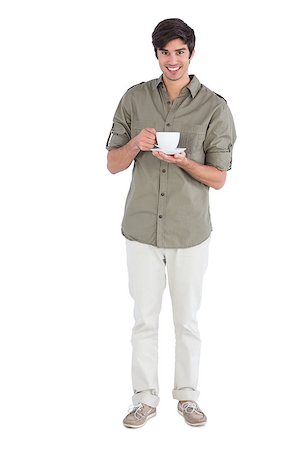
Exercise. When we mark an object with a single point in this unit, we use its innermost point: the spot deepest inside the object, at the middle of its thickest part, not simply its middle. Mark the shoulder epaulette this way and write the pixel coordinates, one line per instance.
(221, 97)
(136, 85)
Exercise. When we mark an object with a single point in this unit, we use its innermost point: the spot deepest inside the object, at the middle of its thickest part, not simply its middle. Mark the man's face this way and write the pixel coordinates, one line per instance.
(174, 60)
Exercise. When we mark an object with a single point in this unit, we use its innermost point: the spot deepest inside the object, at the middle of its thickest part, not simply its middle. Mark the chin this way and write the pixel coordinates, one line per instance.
(171, 78)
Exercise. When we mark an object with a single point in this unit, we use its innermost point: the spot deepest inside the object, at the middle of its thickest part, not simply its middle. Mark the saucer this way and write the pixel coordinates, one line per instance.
(169, 152)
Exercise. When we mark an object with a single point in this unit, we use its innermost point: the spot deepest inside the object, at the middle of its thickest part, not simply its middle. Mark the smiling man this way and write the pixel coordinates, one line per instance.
(166, 221)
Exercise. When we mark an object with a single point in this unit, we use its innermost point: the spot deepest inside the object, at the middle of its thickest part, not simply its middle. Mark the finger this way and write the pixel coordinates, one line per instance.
(167, 158)
(147, 134)
(151, 130)
(149, 138)
(180, 155)
(157, 155)
(146, 146)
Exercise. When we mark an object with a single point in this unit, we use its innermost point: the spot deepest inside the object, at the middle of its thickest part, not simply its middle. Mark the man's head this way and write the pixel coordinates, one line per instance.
(171, 29)
(174, 43)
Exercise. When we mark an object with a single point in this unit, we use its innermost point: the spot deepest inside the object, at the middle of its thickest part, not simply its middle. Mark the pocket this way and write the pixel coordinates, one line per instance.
(192, 138)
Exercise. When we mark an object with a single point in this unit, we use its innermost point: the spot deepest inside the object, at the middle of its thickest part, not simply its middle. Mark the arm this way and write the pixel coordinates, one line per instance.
(208, 175)
(120, 158)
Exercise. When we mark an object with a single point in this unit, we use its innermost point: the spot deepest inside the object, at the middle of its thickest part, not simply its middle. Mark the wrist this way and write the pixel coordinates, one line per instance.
(133, 146)
(184, 163)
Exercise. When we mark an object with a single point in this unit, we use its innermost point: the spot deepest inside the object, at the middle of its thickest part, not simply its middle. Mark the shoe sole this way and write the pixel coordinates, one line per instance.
(139, 426)
(192, 424)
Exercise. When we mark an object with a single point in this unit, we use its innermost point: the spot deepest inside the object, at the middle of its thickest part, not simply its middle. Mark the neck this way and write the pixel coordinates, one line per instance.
(174, 87)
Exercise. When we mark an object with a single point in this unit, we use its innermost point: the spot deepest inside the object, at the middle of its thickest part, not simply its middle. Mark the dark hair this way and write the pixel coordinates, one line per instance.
(170, 29)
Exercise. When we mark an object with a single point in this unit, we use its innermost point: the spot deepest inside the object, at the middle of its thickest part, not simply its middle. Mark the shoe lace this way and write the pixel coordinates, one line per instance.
(136, 410)
(190, 407)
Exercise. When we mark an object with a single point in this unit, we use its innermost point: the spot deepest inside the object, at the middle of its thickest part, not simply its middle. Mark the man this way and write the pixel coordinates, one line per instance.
(166, 220)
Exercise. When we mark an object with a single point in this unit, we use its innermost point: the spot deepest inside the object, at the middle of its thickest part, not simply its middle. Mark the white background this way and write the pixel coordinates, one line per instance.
(66, 315)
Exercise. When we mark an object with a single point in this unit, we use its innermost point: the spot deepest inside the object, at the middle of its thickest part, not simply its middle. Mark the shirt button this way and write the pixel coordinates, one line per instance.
(164, 171)
(162, 194)
(160, 216)
(169, 103)
(168, 124)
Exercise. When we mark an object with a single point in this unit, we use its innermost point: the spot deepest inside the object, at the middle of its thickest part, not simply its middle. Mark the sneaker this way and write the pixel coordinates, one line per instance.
(191, 413)
(138, 415)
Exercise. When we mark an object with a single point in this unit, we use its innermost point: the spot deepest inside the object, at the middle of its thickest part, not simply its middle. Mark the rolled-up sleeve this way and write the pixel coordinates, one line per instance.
(220, 138)
(120, 132)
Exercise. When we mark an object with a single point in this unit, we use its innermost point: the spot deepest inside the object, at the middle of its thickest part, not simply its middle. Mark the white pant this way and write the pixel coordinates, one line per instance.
(147, 281)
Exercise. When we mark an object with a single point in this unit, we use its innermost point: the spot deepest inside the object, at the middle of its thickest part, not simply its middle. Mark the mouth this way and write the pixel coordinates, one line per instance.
(173, 69)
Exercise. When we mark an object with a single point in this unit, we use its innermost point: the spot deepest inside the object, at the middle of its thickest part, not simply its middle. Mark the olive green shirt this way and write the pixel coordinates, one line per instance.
(165, 206)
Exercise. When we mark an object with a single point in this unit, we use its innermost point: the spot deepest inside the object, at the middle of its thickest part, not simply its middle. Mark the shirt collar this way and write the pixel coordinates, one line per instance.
(193, 86)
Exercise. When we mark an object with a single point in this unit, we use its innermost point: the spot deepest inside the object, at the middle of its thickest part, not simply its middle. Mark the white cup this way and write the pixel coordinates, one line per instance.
(167, 140)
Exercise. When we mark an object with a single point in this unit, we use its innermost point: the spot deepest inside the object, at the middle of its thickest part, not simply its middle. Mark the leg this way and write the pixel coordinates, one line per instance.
(186, 268)
(147, 281)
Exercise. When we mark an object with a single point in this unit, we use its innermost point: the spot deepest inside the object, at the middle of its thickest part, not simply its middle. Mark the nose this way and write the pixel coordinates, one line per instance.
(173, 59)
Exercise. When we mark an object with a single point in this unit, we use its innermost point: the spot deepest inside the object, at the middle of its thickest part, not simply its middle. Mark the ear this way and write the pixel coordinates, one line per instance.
(192, 55)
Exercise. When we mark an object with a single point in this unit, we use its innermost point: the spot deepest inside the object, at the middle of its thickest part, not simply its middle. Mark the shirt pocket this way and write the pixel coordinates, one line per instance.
(192, 138)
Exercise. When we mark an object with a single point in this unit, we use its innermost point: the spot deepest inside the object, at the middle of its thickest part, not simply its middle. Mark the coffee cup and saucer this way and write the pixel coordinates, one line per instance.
(167, 142)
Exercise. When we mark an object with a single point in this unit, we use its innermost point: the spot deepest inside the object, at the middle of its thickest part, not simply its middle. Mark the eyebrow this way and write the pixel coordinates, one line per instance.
(177, 50)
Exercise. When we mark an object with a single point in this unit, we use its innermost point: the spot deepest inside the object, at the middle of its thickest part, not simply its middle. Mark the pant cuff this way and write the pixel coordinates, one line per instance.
(147, 398)
(186, 394)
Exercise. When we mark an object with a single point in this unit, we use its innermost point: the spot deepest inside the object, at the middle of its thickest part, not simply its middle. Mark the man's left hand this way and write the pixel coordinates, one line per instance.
(179, 158)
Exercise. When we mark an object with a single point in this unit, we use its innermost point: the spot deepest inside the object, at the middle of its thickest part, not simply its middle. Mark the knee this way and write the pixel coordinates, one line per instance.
(188, 328)
(146, 326)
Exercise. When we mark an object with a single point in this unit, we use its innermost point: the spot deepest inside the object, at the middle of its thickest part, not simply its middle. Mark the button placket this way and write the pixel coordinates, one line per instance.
(169, 121)
(162, 203)
(170, 112)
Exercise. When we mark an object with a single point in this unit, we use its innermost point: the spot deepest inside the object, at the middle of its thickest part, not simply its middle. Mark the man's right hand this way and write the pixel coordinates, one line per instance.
(119, 158)
(146, 139)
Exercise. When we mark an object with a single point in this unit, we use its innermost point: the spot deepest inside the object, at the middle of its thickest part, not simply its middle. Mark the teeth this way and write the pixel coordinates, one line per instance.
(173, 69)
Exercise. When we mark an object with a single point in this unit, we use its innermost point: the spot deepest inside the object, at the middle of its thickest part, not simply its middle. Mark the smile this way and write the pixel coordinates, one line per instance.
(173, 69)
